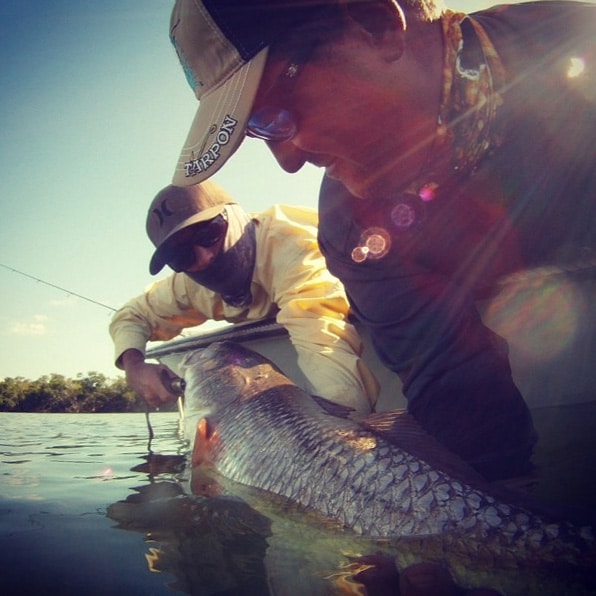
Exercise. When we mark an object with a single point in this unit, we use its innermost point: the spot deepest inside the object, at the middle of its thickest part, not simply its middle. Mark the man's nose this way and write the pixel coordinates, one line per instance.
(203, 257)
(288, 156)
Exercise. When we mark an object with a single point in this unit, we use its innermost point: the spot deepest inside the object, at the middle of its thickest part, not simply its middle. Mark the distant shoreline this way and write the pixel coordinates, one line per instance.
(93, 393)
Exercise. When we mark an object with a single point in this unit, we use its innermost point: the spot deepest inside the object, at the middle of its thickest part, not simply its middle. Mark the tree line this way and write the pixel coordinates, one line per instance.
(54, 393)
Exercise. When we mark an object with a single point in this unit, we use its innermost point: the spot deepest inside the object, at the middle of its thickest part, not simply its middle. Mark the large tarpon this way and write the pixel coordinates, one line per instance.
(256, 427)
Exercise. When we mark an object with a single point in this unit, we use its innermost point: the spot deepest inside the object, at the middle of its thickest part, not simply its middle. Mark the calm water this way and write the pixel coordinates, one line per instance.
(59, 475)
(83, 510)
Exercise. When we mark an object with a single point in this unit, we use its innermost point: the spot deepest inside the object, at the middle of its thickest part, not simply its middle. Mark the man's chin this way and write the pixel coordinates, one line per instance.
(358, 188)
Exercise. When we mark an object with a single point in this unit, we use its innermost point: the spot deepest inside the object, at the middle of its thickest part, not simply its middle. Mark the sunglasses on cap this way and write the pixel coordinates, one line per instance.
(181, 257)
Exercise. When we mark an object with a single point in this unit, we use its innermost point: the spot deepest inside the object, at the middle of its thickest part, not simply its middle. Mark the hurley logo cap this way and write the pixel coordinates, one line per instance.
(222, 46)
(175, 208)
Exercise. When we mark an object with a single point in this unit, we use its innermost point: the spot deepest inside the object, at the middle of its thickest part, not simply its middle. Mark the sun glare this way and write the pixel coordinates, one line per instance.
(576, 67)
(540, 318)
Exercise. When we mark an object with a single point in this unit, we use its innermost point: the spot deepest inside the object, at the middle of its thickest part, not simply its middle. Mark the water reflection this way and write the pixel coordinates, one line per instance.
(216, 537)
(210, 545)
(214, 542)
(200, 539)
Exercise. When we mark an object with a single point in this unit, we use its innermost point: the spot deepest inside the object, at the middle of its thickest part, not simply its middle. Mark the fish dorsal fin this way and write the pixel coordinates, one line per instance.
(401, 429)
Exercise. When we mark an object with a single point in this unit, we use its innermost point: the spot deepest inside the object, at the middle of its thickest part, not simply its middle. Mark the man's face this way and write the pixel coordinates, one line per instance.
(194, 248)
(344, 107)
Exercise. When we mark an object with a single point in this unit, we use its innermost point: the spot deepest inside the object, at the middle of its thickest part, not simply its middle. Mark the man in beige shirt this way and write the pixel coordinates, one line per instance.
(232, 266)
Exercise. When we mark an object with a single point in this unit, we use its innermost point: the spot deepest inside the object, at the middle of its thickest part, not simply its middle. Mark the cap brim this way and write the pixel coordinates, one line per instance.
(158, 261)
(220, 123)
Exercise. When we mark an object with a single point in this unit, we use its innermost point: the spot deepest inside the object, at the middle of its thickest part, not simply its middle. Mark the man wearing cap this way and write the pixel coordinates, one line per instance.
(237, 267)
(457, 149)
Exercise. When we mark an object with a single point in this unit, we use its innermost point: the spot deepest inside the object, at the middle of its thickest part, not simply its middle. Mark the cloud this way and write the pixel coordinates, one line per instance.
(27, 328)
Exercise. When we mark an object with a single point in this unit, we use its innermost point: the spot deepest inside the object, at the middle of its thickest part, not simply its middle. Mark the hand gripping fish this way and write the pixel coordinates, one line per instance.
(383, 477)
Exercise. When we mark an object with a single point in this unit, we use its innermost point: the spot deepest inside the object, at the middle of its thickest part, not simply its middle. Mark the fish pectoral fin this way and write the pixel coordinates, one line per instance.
(204, 439)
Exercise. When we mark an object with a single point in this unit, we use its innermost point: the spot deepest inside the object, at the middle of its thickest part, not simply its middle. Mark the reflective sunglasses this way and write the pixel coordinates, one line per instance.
(271, 123)
(181, 256)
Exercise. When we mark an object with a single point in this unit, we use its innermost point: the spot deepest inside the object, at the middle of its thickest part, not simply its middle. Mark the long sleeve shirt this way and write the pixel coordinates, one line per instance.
(290, 281)
(531, 203)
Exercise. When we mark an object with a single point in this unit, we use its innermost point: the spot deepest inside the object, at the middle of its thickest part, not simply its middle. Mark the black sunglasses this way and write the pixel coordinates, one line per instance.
(181, 257)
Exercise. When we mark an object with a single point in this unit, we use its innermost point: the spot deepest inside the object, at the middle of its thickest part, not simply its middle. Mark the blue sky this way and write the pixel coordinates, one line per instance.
(94, 110)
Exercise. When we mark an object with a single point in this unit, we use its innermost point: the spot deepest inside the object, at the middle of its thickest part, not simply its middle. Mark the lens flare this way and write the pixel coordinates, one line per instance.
(539, 317)
(576, 67)
(404, 215)
(374, 244)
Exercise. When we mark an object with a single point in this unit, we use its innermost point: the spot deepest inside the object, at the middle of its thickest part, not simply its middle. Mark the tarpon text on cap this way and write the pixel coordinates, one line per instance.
(223, 46)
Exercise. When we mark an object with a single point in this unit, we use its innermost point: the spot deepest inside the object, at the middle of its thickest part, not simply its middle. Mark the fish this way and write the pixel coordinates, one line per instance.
(381, 477)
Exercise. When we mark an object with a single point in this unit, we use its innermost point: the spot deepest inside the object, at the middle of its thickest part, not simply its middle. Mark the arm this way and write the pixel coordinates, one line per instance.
(314, 310)
(146, 379)
(159, 314)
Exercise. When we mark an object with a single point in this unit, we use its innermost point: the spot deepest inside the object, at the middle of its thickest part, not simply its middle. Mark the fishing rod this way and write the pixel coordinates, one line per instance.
(47, 283)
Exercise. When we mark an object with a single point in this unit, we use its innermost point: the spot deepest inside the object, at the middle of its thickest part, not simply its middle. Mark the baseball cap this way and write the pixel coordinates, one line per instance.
(223, 47)
(175, 208)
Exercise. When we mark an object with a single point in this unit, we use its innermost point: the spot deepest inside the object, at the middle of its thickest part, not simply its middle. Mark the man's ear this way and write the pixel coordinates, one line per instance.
(383, 20)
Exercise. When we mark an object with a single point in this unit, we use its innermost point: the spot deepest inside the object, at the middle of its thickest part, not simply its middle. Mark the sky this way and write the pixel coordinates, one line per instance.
(94, 110)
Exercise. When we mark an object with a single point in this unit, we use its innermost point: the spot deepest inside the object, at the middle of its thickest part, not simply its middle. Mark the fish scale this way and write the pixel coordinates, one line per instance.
(273, 436)
(321, 449)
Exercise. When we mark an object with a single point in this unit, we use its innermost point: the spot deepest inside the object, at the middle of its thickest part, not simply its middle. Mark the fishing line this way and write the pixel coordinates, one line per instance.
(47, 283)
(178, 387)
(150, 429)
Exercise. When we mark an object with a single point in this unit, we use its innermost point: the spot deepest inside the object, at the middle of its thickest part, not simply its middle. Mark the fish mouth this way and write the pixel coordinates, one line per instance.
(191, 423)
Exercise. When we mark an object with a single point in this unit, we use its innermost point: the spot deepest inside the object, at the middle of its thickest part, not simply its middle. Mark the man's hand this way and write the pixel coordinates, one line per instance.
(149, 381)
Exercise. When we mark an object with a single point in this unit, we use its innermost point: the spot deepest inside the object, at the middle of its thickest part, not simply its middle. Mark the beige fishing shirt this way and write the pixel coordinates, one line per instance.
(290, 282)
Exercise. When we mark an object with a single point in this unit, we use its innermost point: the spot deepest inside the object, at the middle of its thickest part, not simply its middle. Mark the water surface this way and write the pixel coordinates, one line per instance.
(59, 474)
(85, 510)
